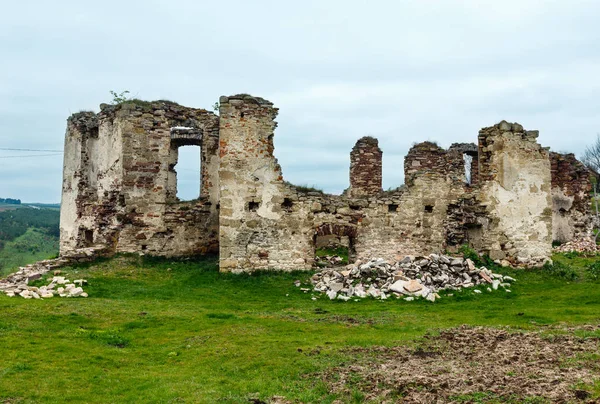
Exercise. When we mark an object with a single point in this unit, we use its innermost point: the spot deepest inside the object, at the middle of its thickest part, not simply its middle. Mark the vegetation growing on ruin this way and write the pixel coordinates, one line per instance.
(339, 251)
(304, 188)
(160, 330)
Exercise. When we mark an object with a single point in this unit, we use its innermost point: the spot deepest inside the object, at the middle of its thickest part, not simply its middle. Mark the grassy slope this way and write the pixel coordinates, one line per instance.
(160, 331)
(27, 235)
(34, 245)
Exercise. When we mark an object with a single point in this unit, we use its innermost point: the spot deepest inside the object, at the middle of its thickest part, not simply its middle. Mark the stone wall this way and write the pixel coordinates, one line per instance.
(571, 187)
(365, 167)
(120, 187)
(515, 180)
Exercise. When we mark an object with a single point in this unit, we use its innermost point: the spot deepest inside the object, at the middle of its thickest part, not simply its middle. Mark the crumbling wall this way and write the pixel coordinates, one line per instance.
(263, 222)
(413, 219)
(571, 187)
(470, 153)
(75, 185)
(514, 173)
(365, 167)
(91, 180)
(120, 187)
(121, 191)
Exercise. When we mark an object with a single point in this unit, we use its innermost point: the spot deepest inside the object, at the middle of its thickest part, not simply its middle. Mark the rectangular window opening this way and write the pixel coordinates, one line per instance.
(468, 159)
(189, 173)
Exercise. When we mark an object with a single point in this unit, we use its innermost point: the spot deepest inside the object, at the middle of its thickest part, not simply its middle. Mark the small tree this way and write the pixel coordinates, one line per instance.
(591, 159)
(118, 98)
(591, 155)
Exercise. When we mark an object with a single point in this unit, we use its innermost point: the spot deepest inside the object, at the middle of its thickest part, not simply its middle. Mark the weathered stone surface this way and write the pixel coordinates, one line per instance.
(515, 191)
(119, 180)
(365, 168)
(571, 209)
(506, 196)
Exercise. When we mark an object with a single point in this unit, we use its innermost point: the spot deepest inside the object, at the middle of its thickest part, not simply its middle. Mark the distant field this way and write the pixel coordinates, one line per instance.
(8, 206)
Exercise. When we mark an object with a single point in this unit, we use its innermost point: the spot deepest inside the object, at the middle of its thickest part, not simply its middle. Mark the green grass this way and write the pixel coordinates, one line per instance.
(179, 331)
(34, 245)
(340, 251)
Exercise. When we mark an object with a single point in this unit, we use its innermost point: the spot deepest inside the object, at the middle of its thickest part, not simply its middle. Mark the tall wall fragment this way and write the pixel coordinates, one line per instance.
(514, 171)
(571, 187)
(365, 167)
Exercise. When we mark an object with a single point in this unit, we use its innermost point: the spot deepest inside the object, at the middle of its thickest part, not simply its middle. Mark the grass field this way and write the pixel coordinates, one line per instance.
(179, 331)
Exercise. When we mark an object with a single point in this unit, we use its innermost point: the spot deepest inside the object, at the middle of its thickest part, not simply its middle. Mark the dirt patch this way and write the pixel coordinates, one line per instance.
(477, 365)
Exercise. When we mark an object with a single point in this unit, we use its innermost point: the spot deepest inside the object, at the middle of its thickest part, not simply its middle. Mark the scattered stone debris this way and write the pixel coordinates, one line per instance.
(585, 246)
(328, 261)
(17, 284)
(66, 289)
(476, 364)
(412, 277)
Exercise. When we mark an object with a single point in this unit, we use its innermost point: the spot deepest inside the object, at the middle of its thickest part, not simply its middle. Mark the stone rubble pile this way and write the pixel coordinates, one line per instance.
(59, 286)
(586, 245)
(410, 278)
(17, 284)
(328, 261)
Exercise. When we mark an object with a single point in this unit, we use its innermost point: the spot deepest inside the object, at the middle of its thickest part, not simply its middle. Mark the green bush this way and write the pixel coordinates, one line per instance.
(593, 270)
(340, 251)
(560, 270)
(572, 254)
(478, 260)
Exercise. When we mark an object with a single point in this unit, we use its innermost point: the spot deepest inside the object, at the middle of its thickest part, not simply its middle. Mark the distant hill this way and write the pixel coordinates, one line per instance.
(27, 234)
(35, 205)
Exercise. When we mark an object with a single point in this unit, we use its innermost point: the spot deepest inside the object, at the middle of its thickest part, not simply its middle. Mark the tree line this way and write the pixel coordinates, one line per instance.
(10, 201)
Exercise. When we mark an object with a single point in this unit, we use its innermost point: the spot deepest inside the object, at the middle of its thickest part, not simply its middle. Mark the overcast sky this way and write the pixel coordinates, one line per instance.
(402, 71)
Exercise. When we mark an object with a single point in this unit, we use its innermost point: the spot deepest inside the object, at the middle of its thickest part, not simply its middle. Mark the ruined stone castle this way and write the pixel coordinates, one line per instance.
(506, 196)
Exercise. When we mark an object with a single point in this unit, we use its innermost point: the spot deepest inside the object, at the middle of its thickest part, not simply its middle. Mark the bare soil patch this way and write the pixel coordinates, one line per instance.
(477, 365)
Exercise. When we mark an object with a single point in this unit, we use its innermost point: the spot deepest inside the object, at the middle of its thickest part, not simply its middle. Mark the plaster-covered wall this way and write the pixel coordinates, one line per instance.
(514, 171)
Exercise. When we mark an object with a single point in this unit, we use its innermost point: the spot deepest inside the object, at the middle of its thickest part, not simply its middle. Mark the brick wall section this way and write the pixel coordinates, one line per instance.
(365, 167)
(571, 187)
(427, 159)
(573, 177)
